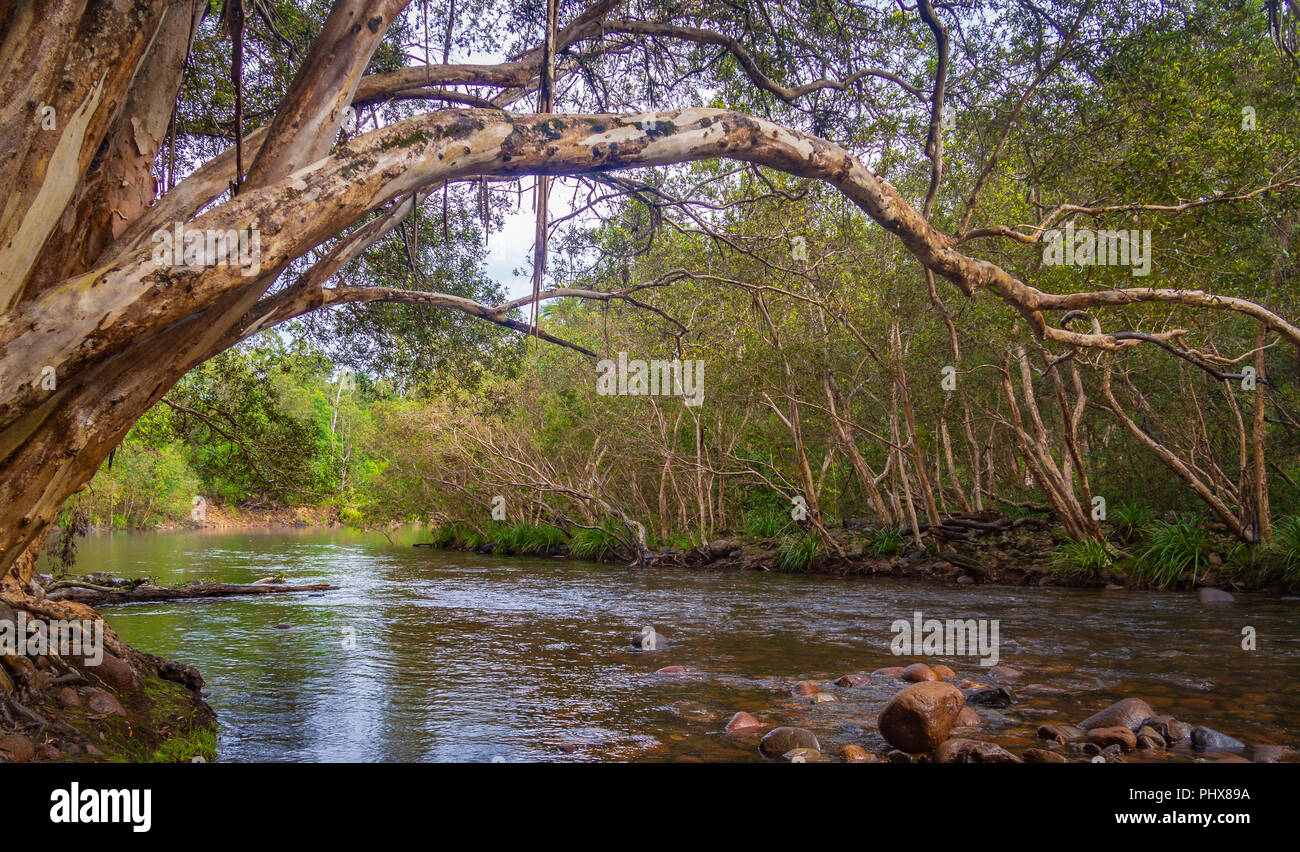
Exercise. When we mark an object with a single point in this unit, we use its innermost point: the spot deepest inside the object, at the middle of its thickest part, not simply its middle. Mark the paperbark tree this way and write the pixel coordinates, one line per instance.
(94, 330)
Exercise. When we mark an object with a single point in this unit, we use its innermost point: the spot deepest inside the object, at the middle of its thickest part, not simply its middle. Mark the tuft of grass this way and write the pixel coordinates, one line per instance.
(1286, 548)
(1173, 549)
(885, 542)
(1084, 560)
(798, 551)
(526, 539)
(593, 544)
(1129, 519)
(765, 523)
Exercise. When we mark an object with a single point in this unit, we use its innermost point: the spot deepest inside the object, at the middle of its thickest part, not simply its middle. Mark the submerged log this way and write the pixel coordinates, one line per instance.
(96, 596)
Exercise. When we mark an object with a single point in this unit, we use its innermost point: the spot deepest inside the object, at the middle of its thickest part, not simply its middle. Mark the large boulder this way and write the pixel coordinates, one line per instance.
(1128, 713)
(778, 741)
(1206, 595)
(920, 717)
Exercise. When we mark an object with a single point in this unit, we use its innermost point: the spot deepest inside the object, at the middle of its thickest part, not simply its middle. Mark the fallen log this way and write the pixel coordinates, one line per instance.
(98, 597)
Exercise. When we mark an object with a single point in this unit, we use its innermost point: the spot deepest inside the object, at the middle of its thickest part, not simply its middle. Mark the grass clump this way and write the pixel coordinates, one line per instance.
(1129, 520)
(1173, 549)
(594, 544)
(885, 542)
(1084, 559)
(798, 551)
(526, 539)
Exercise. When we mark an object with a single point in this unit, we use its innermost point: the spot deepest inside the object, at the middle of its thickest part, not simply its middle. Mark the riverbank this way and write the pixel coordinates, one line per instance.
(106, 703)
(973, 549)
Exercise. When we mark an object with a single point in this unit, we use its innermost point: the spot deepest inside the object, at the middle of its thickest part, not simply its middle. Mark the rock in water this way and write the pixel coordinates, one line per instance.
(1129, 713)
(920, 717)
(803, 755)
(1042, 755)
(1061, 733)
(1208, 595)
(1170, 729)
(778, 741)
(649, 639)
(919, 672)
(1120, 735)
(850, 680)
(1208, 739)
(806, 688)
(998, 696)
(858, 754)
(743, 723)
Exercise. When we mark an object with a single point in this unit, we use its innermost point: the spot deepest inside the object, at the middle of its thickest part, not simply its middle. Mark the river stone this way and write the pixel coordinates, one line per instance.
(1208, 595)
(968, 718)
(998, 696)
(918, 673)
(1128, 713)
(991, 753)
(1061, 733)
(890, 671)
(1151, 736)
(1042, 755)
(1208, 739)
(804, 755)
(1271, 754)
(673, 670)
(953, 750)
(778, 741)
(850, 680)
(18, 748)
(6, 684)
(858, 754)
(920, 717)
(943, 672)
(68, 697)
(806, 688)
(743, 723)
(1117, 735)
(1170, 729)
(1005, 673)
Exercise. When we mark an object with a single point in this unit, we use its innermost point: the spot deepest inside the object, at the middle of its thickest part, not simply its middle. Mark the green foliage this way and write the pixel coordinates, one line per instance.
(765, 523)
(884, 542)
(1129, 519)
(1174, 548)
(526, 538)
(798, 551)
(593, 544)
(1286, 549)
(1080, 559)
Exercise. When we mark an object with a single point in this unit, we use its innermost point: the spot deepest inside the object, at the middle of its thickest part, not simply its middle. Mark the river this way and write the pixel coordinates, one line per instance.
(423, 655)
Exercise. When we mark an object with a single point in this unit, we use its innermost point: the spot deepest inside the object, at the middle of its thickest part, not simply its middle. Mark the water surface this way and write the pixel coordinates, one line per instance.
(441, 656)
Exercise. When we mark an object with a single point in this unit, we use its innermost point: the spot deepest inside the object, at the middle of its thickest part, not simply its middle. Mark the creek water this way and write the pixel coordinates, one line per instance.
(425, 655)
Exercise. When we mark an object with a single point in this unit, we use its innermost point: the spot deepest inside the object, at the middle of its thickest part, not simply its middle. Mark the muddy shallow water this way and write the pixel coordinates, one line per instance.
(425, 655)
